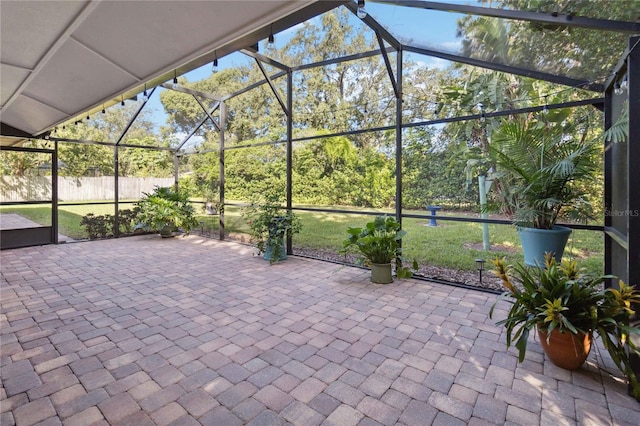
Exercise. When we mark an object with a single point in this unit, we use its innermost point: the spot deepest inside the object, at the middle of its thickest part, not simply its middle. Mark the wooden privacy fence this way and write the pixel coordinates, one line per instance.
(36, 188)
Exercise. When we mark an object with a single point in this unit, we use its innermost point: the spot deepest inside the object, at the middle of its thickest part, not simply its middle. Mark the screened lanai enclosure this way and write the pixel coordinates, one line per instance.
(343, 110)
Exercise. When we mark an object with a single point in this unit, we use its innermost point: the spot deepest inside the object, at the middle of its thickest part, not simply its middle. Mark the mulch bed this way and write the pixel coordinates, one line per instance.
(454, 276)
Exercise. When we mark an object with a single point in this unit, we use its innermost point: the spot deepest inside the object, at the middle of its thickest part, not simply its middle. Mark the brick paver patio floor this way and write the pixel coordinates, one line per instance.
(185, 331)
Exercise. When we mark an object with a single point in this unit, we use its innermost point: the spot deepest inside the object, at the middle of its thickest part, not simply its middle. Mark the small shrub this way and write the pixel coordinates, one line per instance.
(98, 226)
(103, 226)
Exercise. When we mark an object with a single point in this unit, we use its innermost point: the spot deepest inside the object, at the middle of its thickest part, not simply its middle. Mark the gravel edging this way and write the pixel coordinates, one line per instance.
(454, 276)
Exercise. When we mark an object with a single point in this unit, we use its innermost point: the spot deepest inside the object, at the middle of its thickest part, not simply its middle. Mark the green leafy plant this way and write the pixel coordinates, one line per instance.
(619, 131)
(562, 297)
(165, 211)
(102, 226)
(379, 242)
(127, 220)
(270, 223)
(546, 170)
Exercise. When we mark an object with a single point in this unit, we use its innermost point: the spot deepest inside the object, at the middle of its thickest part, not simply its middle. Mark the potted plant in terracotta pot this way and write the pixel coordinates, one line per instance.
(566, 306)
(546, 168)
(378, 244)
(270, 223)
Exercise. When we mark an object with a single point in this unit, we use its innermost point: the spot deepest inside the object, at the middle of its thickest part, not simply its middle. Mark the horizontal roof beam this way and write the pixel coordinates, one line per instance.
(307, 66)
(552, 78)
(595, 102)
(342, 59)
(112, 144)
(192, 92)
(253, 86)
(543, 18)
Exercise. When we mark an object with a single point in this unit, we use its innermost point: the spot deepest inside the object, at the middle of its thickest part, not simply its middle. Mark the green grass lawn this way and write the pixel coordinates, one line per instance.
(451, 244)
(36, 213)
(69, 217)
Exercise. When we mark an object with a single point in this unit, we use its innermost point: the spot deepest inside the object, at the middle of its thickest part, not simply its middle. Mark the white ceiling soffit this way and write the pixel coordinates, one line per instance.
(59, 59)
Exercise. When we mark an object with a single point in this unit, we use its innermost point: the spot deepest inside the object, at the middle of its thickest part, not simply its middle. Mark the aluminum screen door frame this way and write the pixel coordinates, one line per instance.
(26, 237)
(622, 180)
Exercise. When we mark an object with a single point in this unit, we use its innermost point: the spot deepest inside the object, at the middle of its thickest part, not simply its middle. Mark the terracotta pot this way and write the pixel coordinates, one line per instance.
(566, 350)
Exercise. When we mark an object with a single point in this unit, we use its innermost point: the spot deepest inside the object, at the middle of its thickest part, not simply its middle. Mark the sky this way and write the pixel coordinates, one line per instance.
(429, 29)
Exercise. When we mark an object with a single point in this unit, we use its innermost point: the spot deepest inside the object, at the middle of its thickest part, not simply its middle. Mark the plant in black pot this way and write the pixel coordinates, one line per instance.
(270, 224)
(379, 244)
(547, 167)
(566, 306)
(165, 211)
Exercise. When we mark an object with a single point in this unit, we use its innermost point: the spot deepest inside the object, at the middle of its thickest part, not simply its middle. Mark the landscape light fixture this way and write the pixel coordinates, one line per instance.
(480, 267)
(361, 13)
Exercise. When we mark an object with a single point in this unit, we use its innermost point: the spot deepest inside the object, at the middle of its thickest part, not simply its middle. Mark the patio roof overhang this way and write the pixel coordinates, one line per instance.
(59, 59)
